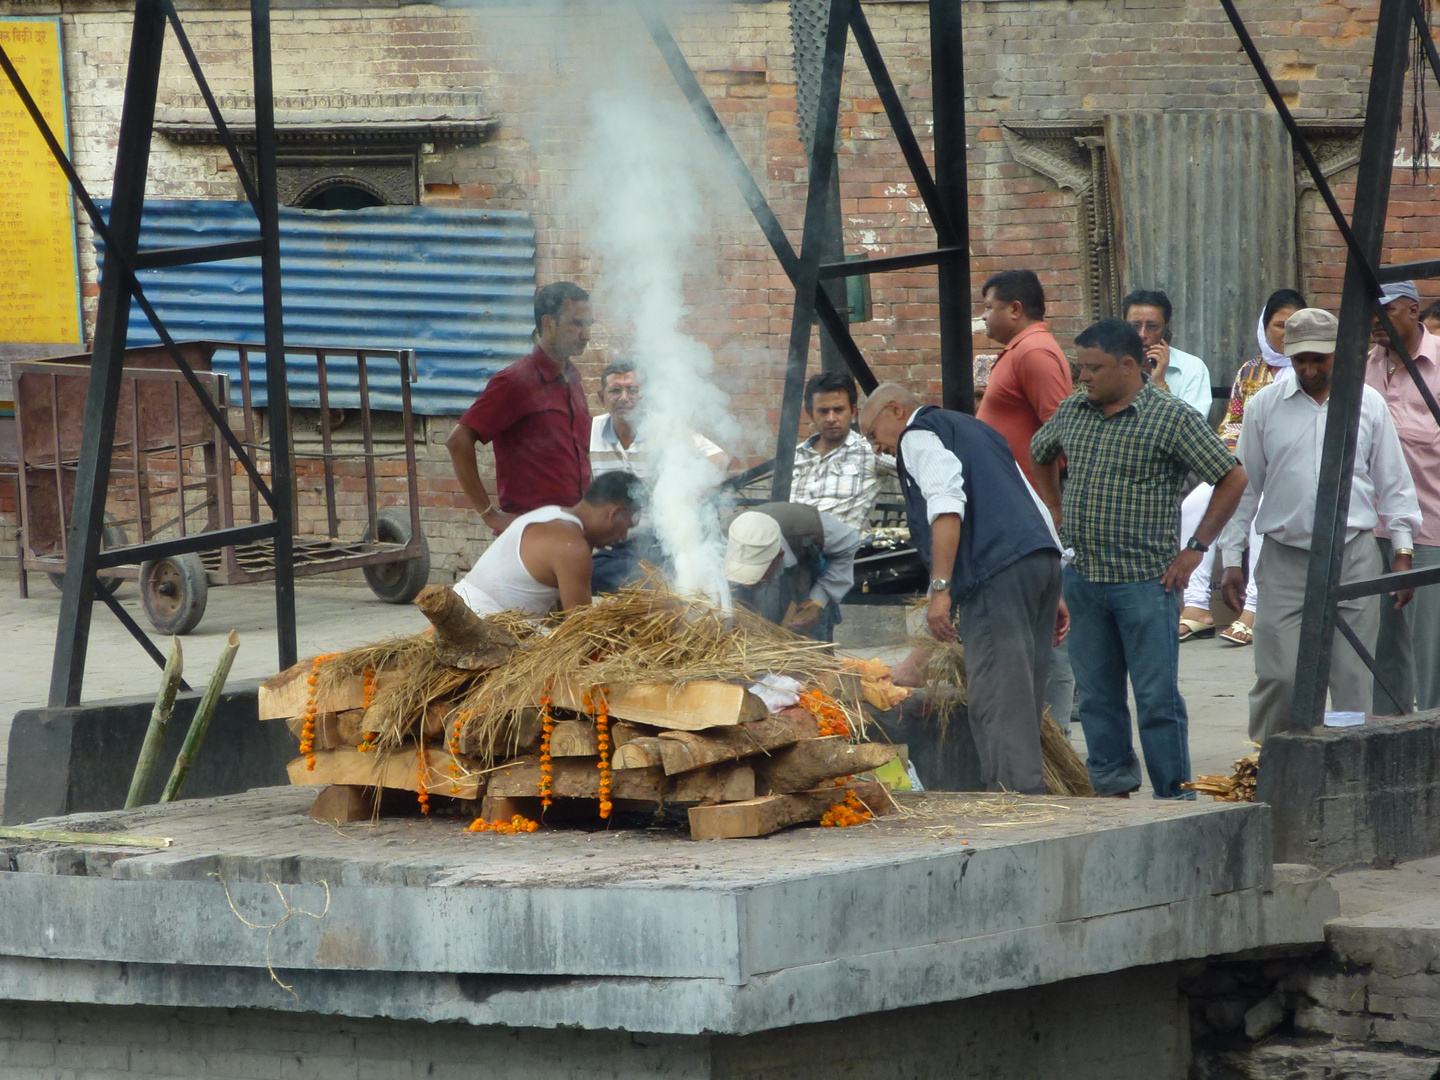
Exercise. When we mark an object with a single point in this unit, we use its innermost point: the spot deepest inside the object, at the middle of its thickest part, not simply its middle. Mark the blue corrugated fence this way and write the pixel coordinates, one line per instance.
(457, 286)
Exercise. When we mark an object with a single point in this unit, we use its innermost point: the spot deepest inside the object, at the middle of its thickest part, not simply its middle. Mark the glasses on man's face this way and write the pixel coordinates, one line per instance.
(1142, 327)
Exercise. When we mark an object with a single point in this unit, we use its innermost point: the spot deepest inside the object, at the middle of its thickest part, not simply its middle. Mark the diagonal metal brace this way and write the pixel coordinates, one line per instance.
(1370, 662)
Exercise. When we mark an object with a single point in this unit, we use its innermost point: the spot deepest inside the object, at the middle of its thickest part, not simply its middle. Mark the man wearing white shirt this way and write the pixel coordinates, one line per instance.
(1179, 373)
(1280, 447)
(1000, 572)
(615, 446)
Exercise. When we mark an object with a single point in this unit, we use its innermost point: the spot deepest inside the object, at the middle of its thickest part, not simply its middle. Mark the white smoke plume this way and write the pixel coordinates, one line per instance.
(655, 197)
(648, 220)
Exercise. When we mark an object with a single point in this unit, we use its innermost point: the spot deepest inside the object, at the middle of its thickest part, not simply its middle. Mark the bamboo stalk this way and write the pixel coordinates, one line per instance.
(159, 722)
(201, 721)
(101, 839)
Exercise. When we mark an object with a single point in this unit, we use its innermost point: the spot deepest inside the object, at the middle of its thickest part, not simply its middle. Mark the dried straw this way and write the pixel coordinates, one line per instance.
(644, 633)
(1065, 773)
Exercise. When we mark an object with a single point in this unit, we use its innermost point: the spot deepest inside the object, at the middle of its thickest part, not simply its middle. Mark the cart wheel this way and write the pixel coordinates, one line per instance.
(398, 582)
(173, 592)
(112, 537)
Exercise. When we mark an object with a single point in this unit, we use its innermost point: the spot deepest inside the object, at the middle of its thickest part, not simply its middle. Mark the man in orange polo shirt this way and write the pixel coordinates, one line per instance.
(1028, 381)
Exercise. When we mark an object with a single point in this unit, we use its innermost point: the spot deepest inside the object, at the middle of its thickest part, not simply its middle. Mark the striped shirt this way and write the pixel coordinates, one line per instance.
(1127, 471)
(607, 455)
(843, 483)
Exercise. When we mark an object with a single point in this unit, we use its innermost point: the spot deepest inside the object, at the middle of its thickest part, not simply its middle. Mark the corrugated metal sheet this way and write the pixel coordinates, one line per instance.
(457, 286)
(1205, 208)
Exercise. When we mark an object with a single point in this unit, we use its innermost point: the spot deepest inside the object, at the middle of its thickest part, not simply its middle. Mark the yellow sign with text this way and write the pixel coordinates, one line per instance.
(39, 277)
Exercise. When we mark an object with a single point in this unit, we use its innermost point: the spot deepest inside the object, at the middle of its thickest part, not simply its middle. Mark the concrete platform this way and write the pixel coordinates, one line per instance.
(642, 931)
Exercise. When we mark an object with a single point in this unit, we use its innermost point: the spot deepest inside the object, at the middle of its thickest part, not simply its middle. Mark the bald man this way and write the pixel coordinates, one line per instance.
(994, 560)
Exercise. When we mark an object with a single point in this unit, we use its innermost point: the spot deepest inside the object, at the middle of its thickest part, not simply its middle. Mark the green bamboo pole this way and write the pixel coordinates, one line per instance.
(201, 720)
(99, 839)
(159, 721)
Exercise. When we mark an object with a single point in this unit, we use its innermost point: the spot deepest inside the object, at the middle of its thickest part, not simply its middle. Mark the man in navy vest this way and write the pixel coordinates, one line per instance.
(1001, 570)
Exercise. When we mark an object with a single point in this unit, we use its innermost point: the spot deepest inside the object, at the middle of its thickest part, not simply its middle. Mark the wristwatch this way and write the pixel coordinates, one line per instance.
(939, 584)
(1194, 545)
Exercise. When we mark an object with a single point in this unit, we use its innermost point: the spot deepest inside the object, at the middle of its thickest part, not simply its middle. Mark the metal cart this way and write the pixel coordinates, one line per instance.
(173, 475)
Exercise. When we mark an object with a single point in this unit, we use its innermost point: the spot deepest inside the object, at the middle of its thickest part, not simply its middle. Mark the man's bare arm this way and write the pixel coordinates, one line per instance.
(556, 553)
(461, 444)
(1047, 486)
(1223, 501)
(944, 545)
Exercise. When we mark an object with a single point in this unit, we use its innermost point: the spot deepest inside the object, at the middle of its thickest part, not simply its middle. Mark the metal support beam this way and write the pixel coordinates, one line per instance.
(132, 161)
(807, 275)
(1412, 271)
(183, 545)
(282, 477)
(947, 79)
(159, 258)
(1332, 501)
(888, 263)
(830, 318)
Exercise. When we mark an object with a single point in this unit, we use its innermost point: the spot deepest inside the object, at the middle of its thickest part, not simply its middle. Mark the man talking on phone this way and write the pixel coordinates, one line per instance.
(1173, 370)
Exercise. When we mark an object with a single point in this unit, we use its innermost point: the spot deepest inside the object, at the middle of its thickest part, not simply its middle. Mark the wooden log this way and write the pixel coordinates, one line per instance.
(641, 753)
(806, 764)
(397, 770)
(622, 731)
(715, 784)
(576, 778)
(344, 802)
(286, 695)
(522, 739)
(579, 778)
(574, 738)
(504, 807)
(332, 730)
(771, 813)
(682, 751)
(463, 639)
(692, 707)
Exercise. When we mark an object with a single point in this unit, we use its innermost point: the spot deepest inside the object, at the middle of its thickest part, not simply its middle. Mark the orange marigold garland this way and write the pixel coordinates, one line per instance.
(370, 681)
(307, 732)
(547, 727)
(517, 824)
(827, 713)
(422, 789)
(844, 814)
(454, 747)
(602, 739)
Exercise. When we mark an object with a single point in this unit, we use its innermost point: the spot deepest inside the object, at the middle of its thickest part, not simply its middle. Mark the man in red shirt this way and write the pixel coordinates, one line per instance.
(1028, 381)
(535, 413)
(1031, 375)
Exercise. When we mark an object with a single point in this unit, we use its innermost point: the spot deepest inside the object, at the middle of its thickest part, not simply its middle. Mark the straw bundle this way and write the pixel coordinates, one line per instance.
(1065, 773)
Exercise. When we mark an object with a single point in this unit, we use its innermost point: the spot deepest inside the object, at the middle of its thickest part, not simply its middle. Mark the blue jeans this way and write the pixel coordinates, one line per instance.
(1129, 629)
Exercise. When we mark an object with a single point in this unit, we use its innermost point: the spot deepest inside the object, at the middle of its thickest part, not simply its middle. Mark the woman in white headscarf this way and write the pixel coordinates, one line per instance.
(1253, 376)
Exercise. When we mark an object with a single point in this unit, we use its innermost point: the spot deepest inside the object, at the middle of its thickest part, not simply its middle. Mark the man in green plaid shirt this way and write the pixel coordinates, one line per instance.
(1128, 446)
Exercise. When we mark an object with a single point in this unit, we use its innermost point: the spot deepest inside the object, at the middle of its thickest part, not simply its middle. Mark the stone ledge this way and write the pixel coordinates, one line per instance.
(1349, 797)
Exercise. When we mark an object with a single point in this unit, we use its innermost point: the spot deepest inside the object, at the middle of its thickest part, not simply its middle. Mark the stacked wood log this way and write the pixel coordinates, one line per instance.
(710, 748)
(1239, 786)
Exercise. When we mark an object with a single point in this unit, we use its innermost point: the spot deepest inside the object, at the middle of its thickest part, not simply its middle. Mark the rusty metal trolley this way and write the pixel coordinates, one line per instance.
(173, 475)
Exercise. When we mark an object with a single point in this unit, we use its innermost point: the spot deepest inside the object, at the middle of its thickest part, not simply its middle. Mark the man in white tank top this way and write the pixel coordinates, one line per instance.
(543, 558)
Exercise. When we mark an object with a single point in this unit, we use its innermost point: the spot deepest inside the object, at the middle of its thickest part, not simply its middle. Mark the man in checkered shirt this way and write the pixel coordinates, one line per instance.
(835, 470)
(1129, 446)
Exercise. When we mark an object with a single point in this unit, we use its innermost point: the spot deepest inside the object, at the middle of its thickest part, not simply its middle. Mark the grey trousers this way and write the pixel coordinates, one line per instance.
(1060, 686)
(1408, 649)
(1280, 581)
(1008, 625)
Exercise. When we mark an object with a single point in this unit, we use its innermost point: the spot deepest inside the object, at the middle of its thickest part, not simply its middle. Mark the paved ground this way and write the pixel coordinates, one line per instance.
(1214, 679)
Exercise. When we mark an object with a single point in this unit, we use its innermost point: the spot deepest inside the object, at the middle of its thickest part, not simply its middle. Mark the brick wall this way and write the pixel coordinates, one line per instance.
(1070, 60)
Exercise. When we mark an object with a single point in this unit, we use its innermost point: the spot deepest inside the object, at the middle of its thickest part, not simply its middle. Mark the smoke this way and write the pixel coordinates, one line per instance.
(652, 191)
(649, 213)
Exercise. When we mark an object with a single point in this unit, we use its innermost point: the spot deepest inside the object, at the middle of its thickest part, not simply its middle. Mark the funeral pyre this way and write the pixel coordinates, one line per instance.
(643, 701)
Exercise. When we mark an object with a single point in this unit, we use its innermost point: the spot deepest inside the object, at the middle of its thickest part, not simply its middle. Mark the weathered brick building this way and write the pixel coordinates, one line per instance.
(1098, 157)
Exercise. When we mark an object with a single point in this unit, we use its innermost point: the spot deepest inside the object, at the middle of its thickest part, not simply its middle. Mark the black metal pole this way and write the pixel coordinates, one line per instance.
(112, 323)
(282, 479)
(1337, 459)
(807, 275)
(947, 79)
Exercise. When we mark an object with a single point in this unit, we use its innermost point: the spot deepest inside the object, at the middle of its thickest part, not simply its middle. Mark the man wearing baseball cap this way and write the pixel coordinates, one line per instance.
(1408, 649)
(1280, 449)
(793, 564)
